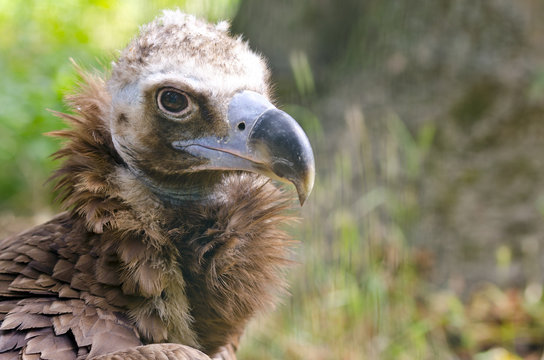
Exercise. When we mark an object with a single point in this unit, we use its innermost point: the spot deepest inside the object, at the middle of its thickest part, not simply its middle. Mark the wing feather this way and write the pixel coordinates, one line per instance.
(57, 317)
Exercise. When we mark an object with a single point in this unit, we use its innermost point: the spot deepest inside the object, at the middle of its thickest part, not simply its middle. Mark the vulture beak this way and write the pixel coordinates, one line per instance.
(261, 139)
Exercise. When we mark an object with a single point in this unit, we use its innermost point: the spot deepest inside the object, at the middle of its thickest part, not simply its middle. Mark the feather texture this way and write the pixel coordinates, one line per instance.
(122, 273)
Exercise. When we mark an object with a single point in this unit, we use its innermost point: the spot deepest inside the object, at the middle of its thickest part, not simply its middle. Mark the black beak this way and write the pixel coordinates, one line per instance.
(261, 139)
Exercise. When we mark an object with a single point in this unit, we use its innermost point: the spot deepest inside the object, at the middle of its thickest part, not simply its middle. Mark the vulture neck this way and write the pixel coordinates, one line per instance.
(199, 270)
(175, 195)
(196, 189)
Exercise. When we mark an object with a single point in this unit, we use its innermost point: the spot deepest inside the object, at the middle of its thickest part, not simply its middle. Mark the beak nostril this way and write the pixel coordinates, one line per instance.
(242, 126)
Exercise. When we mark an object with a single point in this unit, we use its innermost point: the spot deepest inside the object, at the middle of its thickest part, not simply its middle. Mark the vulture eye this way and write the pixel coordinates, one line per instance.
(172, 101)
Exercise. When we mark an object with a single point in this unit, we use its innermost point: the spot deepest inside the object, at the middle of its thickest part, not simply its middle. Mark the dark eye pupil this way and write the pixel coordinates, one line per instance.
(173, 101)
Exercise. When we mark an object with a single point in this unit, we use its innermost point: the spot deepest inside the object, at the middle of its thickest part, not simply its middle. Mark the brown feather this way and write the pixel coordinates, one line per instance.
(10, 340)
(157, 352)
(21, 259)
(49, 346)
(122, 269)
(65, 291)
(63, 270)
(26, 356)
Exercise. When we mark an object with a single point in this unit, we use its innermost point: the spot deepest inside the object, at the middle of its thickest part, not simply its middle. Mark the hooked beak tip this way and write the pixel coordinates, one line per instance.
(305, 185)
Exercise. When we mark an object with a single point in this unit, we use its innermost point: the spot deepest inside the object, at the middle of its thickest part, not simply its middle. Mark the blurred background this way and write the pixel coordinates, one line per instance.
(424, 236)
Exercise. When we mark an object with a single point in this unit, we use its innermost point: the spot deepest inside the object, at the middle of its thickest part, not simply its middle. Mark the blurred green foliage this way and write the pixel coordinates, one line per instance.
(37, 40)
(359, 292)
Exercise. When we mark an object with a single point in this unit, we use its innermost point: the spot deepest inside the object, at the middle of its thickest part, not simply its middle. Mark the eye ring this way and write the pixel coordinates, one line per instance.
(173, 102)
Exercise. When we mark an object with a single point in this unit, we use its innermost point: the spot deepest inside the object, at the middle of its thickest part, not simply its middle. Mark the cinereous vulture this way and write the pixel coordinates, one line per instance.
(173, 236)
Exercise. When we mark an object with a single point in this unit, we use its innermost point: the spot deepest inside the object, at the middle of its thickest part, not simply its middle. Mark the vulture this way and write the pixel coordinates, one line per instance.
(173, 235)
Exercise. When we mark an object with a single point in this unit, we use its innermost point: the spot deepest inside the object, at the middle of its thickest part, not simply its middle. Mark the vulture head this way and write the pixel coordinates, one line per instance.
(172, 219)
(190, 104)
